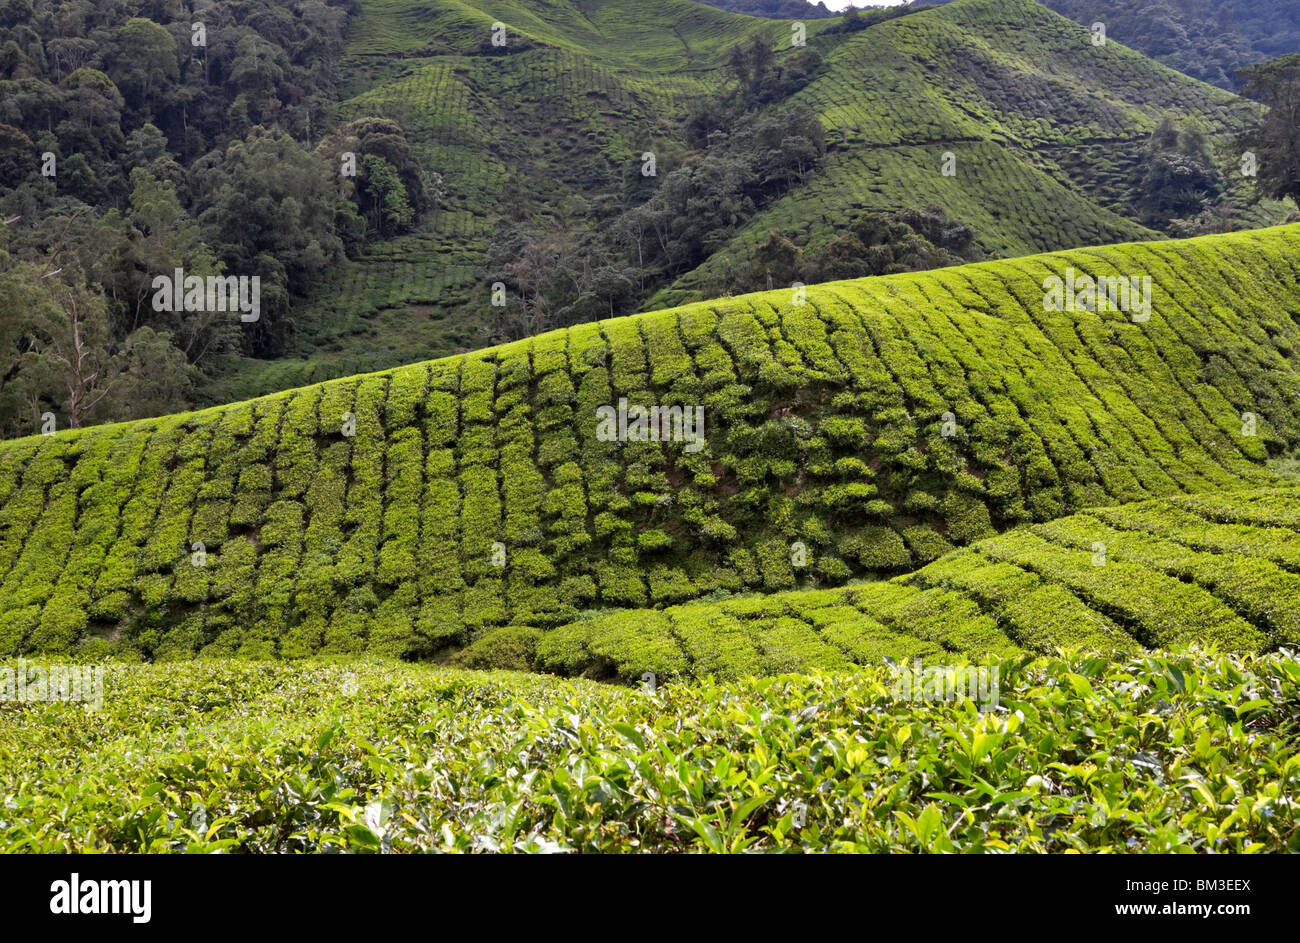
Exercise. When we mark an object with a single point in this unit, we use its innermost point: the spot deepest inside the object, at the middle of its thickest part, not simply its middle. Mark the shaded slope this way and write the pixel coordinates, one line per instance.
(879, 425)
(1207, 39)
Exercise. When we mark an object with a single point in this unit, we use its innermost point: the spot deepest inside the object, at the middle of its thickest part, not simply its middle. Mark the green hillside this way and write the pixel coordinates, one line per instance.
(869, 430)
(551, 128)
(1208, 39)
(1046, 127)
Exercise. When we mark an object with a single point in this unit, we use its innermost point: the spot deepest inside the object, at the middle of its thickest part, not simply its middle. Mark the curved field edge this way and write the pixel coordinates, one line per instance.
(877, 425)
(1190, 752)
(1214, 569)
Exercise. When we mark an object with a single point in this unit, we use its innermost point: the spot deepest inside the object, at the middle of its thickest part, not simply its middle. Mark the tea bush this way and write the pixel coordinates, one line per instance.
(1185, 752)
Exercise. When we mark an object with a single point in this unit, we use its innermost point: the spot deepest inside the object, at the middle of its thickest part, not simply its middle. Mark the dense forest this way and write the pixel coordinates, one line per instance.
(137, 139)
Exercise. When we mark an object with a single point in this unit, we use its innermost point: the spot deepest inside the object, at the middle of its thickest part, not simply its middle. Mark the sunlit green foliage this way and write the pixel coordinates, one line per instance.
(862, 434)
(1170, 753)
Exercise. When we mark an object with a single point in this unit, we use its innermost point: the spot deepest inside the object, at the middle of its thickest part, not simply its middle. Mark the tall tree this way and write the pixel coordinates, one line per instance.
(1276, 142)
(148, 59)
(68, 342)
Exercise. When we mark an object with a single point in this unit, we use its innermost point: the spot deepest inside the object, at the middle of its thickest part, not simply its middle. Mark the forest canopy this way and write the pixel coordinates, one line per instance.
(138, 139)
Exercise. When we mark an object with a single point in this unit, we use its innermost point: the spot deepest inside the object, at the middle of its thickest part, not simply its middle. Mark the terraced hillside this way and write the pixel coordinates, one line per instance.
(550, 125)
(862, 433)
(1215, 569)
(1045, 128)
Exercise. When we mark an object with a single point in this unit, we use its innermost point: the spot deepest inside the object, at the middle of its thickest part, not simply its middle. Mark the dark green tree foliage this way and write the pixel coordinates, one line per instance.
(57, 345)
(1177, 176)
(167, 154)
(148, 60)
(855, 19)
(17, 155)
(387, 205)
(872, 244)
(271, 211)
(92, 117)
(391, 188)
(20, 390)
(562, 278)
(763, 79)
(1276, 143)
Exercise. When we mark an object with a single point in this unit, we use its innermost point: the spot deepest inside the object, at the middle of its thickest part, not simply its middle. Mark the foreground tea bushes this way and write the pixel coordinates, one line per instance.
(1188, 752)
(862, 434)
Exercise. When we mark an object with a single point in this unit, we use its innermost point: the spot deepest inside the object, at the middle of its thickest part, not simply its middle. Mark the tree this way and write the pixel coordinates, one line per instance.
(17, 156)
(778, 257)
(272, 212)
(1276, 142)
(1177, 176)
(161, 239)
(258, 67)
(156, 378)
(69, 339)
(13, 12)
(870, 244)
(19, 390)
(749, 64)
(385, 200)
(148, 57)
(379, 201)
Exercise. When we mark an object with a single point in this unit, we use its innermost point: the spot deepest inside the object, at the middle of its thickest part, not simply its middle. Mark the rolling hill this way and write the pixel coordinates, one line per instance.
(550, 127)
(1045, 127)
(862, 434)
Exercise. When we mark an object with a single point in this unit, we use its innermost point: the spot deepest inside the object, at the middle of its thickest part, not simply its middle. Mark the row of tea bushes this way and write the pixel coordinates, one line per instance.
(1100, 581)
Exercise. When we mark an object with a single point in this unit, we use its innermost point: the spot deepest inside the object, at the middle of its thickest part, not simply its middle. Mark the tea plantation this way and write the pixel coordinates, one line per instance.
(1188, 753)
(469, 604)
(861, 433)
(1220, 569)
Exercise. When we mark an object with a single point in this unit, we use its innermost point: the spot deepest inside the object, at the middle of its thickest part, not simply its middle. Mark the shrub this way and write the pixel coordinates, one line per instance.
(511, 647)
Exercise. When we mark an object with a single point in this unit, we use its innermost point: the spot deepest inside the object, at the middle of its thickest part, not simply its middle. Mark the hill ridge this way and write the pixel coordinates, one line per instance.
(879, 425)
